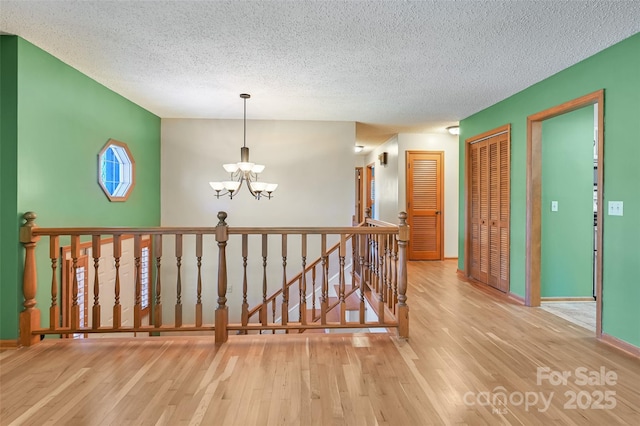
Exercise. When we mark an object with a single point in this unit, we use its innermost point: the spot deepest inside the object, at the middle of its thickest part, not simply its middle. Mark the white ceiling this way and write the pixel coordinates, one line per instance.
(390, 66)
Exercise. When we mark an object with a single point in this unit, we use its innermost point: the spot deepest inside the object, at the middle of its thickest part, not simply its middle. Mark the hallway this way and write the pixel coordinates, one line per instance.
(468, 347)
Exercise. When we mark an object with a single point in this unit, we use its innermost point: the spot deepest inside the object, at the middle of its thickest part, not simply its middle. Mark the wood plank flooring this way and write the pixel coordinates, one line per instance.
(467, 345)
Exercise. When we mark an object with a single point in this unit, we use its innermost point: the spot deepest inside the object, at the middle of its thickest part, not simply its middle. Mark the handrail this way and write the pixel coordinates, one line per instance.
(38, 231)
(376, 251)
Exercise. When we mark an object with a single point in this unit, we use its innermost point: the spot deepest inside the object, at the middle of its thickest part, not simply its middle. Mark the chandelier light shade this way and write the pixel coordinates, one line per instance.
(244, 171)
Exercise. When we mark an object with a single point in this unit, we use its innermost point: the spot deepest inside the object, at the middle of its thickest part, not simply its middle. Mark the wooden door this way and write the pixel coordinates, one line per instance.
(488, 201)
(425, 195)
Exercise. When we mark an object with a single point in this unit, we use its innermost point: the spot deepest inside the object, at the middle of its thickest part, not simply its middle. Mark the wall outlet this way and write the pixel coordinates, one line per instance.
(554, 206)
(615, 208)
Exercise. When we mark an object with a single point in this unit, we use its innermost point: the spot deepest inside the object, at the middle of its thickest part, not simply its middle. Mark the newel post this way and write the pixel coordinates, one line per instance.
(30, 315)
(402, 309)
(222, 311)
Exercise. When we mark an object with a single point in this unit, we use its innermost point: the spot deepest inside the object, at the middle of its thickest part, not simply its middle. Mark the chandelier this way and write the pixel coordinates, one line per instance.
(244, 171)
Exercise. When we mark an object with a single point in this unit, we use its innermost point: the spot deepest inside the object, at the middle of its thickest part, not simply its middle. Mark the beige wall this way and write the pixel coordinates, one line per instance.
(313, 163)
(436, 142)
(391, 180)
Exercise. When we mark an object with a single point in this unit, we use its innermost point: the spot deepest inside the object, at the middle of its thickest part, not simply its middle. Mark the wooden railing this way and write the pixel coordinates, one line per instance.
(367, 261)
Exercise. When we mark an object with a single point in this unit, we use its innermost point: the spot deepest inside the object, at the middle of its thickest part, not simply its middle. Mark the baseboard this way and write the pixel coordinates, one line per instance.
(461, 274)
(450, 258)
(568, 299)
(516, 298)
(7, 344)
(620, 344)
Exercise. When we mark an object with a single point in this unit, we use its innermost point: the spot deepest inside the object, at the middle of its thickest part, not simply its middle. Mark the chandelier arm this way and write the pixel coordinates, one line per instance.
(255, 194)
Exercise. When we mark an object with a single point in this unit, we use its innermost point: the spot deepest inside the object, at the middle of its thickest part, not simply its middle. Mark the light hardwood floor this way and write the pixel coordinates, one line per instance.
(466, 345)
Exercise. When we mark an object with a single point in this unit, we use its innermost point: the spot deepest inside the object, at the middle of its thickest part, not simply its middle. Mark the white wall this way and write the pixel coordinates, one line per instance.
(386, 182)
(435, 142)
(391, 183)
(313, 163)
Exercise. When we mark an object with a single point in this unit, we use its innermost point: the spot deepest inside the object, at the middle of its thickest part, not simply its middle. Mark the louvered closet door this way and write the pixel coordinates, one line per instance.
(478, 260)
(489, 211)
(502, 216)
(424, 205)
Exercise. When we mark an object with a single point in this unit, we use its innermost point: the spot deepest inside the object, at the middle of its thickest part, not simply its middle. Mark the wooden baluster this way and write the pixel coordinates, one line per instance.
(362, 242)
(75, 308)
(378, 265)
(117, 308)
(30, 315)
(178, 308)
(264, 310)
(374, 263)
(137, 255)
(245, 304)
(342, 254)
(389, 263)
(403, 309)
(354, 262)
(324, 300)
(54, 310)
(285, 289)
(370, 263)
(157, 248)
(273, 314)
(96, 247)
(383, 266)
(313, 292)
(395, 274)
(222, 312)
(380, 277)
(303, 282)
(199, 281)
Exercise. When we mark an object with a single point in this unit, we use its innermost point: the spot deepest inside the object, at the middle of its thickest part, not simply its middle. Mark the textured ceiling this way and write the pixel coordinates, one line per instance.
(388, 65)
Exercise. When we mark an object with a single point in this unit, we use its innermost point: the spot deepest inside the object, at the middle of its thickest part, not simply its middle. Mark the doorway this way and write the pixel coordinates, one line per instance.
(568, 216)
(358, 216)
(370, 199)
(425, 204)
(533, 254)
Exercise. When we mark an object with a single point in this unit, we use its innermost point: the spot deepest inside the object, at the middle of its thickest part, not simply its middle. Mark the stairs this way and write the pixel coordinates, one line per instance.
(352, 303)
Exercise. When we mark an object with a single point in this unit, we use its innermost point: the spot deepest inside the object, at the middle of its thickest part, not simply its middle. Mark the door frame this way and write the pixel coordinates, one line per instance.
(442, 190)
(368, 202)
(467, 194)
(359, 187)
(534, 195)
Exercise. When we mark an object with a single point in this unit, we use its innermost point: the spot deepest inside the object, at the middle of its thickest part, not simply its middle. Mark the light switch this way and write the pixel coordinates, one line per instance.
(554, 206)
(616, 208)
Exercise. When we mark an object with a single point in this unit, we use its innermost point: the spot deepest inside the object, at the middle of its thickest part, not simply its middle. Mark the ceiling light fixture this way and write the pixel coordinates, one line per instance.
(454, 130)
(358, 148)
(244, 171)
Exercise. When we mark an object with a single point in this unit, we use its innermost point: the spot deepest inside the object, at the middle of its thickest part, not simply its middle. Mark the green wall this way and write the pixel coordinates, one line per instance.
(10, 297)
(566, 264)
(617, 71)
(64, 118)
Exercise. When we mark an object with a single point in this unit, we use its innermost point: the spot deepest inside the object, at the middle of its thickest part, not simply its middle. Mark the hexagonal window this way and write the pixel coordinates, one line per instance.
(116, 170)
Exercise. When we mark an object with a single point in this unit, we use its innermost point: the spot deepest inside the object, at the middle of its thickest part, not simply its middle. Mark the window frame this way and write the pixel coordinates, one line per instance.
(127, 170)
